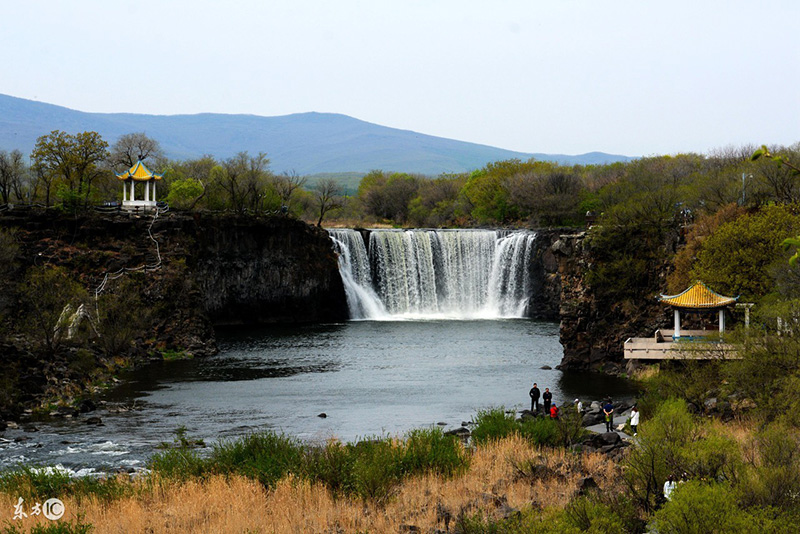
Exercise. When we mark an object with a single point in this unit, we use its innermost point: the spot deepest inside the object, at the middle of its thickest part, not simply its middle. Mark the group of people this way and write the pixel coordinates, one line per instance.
(549, 407)
(608, 413)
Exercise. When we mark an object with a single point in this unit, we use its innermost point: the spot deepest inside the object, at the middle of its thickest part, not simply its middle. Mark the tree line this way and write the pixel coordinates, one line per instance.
(76, 171)
(539, 193)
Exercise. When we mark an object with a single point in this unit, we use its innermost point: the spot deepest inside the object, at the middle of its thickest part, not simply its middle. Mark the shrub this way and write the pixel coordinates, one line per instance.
(375, 469)
(493, 424)
(658, 452)
(178, 464)
(541, 431)
(43, 483)
(587, 514)
(333, 466)
(768, 373)
(689, 380)
(772, 477)
(427, 450)
(263, 456)
(714, 457)
(701, 508)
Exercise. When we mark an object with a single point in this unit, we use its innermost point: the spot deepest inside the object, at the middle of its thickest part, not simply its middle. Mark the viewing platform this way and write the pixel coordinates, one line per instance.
(692, 344)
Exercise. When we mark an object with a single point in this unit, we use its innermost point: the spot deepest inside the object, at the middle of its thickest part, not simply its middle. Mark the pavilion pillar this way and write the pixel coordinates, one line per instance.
(147, 191)
(133, 191)
(677, 315)
(721, 320)
(124, 192)
(154, 189)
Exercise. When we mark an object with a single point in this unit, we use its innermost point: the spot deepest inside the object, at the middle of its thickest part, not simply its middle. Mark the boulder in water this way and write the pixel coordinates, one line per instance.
(86, 406)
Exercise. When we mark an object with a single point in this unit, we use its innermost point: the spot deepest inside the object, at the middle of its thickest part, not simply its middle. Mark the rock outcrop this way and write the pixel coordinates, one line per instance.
(593, 329)
(205, 270)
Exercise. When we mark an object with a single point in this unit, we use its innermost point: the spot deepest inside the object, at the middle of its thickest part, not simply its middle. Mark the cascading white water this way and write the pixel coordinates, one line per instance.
(362, 301)
(458, 274)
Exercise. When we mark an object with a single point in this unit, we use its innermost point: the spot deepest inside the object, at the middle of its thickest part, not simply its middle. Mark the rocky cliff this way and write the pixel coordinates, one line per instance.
(262, 270)
(546, 297)
(236, 270)
(593, 329)
(178, 275)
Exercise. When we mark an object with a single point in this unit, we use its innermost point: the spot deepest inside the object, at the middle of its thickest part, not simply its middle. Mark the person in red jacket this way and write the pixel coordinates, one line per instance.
(554, 411)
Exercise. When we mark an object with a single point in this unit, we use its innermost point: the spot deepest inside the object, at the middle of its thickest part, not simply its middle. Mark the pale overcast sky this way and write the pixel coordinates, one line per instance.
(556, 76)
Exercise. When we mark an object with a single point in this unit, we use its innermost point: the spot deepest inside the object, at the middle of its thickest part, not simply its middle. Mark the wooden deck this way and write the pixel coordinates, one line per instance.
(693, 344)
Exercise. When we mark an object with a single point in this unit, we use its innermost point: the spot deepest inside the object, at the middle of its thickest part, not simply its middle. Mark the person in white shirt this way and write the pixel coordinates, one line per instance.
(669, 487)
(634, 420)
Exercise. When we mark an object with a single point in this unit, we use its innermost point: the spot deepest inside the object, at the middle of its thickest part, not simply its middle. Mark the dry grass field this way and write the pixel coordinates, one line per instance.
(503, 476)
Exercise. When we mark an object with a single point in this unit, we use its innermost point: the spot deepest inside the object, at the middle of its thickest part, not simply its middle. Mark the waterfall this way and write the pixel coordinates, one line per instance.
(362, 301)
(426, 274)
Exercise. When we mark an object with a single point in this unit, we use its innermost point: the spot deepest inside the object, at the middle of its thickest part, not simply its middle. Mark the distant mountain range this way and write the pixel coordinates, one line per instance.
(306, 143)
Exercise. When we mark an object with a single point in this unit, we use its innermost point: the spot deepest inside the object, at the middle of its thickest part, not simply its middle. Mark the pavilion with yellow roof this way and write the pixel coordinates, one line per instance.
(698, 297)
(138, 173)
(677, 343)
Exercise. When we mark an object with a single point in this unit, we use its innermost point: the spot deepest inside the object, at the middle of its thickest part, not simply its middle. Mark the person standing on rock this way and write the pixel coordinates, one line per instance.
(608, 411)
(546, 398)
(579, 406)
(634, 420)
(534, 393)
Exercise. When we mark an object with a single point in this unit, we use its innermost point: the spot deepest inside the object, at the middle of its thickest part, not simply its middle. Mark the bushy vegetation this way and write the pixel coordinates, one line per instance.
(41, 483)
(496, 423)
(368, 469)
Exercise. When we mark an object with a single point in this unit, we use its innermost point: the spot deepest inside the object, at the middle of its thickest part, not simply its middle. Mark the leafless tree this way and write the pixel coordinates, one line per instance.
(328, 197)
(131, 148)
(243, 179)
(286, 184)
(12, 170)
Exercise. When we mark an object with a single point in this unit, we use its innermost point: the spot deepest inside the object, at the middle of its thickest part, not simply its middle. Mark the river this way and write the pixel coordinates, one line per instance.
(370, 378)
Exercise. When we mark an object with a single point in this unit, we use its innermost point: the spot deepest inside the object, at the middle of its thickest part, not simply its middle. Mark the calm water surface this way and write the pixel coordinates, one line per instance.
(370, 378)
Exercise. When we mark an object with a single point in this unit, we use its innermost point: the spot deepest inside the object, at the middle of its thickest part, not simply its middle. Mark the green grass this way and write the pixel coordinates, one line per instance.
(369, 469)
(42, 483)
(495, 423)
(59, 527)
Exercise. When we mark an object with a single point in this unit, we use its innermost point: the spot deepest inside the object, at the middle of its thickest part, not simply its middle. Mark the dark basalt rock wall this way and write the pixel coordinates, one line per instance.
(546, 297)
(593, 330)
(262, 271)
(235, 270)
